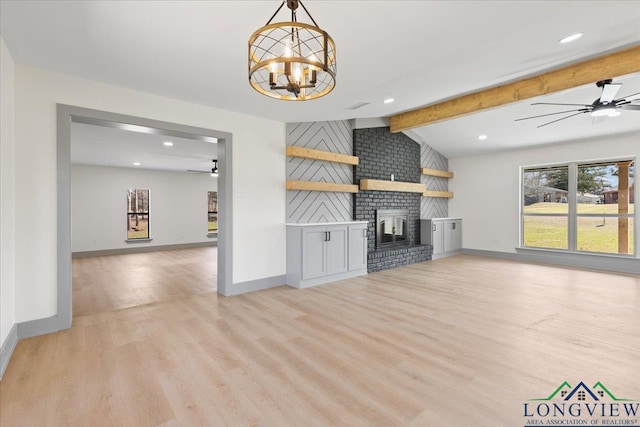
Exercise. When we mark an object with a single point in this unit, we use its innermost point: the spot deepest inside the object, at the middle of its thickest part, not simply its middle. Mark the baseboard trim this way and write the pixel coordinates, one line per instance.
(23, 330)
(256, 285)
(140, 249)
(33, 328)
(302, 284)
(7, 348)
(446, 254)
(588, 261)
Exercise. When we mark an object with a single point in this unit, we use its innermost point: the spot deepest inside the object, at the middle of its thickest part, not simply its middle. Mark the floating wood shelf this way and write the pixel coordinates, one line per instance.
(380, 185)
(321, 186)
(308, 153)
(437, 172)
(428, 193)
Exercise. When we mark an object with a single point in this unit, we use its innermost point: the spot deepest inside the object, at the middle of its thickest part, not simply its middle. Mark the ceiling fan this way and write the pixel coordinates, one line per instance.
(605, 106)
(213, 172)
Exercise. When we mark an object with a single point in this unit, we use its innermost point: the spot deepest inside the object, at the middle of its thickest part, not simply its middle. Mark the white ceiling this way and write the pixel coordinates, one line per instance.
(418, 52)
(109, 146)
(459, 138)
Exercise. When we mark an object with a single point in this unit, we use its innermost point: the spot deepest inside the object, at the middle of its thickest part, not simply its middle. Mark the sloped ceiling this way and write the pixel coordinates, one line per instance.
(418, 52)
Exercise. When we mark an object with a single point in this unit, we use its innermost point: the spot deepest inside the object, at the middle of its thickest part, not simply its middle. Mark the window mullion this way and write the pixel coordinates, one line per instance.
(572, 199)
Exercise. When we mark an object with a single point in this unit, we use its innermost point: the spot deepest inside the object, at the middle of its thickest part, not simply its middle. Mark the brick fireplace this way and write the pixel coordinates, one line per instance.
(382, 154)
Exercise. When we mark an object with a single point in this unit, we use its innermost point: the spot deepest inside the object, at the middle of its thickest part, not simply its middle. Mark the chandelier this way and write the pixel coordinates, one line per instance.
(292, 60)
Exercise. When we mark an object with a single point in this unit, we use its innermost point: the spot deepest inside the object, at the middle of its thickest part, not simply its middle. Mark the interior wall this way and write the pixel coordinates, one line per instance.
(433, 207)
(258, 205)
(320, 206)
(487, 188)
(7, 194)
(178, 206)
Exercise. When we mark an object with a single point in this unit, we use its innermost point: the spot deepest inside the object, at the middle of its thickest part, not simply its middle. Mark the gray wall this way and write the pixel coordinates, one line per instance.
(315, 206)
(433, 207)
(381, 154)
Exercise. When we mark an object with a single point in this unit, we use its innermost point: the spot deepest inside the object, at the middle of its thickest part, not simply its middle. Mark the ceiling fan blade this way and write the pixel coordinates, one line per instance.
(609, 92)
(184, 156)
(550, 114)
(630, 107)
(553, 103)
(626, 98)
(195, 171)
(569, 116)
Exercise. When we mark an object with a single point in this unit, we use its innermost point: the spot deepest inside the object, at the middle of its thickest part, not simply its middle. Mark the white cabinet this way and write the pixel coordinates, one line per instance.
(314, 263)
(357, 246)
(321, 253)
(445, 234)
(324, 250)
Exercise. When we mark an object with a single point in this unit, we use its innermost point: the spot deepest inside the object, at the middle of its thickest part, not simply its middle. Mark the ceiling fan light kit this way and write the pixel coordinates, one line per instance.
(292, 60)
(605, 110)
(214, 169)
(605, 106)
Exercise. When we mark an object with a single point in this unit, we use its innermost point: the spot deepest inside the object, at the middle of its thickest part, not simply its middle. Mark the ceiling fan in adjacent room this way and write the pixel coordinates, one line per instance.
(605, 106)
(213, 172)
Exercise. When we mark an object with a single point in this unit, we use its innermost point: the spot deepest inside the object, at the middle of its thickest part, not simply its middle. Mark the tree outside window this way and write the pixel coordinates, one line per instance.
(580, 206)
(137, 213)
(212, 197)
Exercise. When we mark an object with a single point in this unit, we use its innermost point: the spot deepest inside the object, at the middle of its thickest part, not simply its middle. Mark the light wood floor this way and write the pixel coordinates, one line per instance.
(106, 283)
(461, 341)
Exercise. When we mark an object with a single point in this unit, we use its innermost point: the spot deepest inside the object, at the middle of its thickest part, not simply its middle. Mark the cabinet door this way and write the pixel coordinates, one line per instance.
(437, 237)
(336, 249)
(452, 235)
(456, 235)
(313, 252)
(357, 247)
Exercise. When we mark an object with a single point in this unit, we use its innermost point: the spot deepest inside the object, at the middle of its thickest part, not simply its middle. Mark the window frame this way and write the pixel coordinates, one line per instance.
(572, 215)
(566, 215)
(212, 232)
(146, 214)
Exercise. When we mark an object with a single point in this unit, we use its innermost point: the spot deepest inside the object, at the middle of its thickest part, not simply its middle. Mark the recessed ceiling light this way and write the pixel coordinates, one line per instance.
(389, 100)
(572, 37)
(168, 144)
(136, 163)
(482, 137)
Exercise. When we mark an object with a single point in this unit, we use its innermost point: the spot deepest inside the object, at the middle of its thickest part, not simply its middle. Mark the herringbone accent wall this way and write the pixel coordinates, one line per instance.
(433, 207)
(315, 206)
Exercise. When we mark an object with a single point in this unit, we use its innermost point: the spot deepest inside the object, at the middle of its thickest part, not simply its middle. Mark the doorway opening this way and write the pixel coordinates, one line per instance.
(68, 115)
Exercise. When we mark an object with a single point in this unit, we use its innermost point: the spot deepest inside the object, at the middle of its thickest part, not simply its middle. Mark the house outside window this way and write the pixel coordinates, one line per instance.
(137, 214)
(580, 207)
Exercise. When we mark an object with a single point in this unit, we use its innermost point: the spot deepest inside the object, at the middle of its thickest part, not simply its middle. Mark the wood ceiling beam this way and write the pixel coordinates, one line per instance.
(590, 71)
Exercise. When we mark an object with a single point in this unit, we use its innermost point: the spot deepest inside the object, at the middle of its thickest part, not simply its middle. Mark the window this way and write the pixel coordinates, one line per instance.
(137, 213)
(580, 206)
(212, 197)
(545, 219)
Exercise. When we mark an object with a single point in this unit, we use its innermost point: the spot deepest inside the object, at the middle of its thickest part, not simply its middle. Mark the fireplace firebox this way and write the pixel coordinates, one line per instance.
(392, 228)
